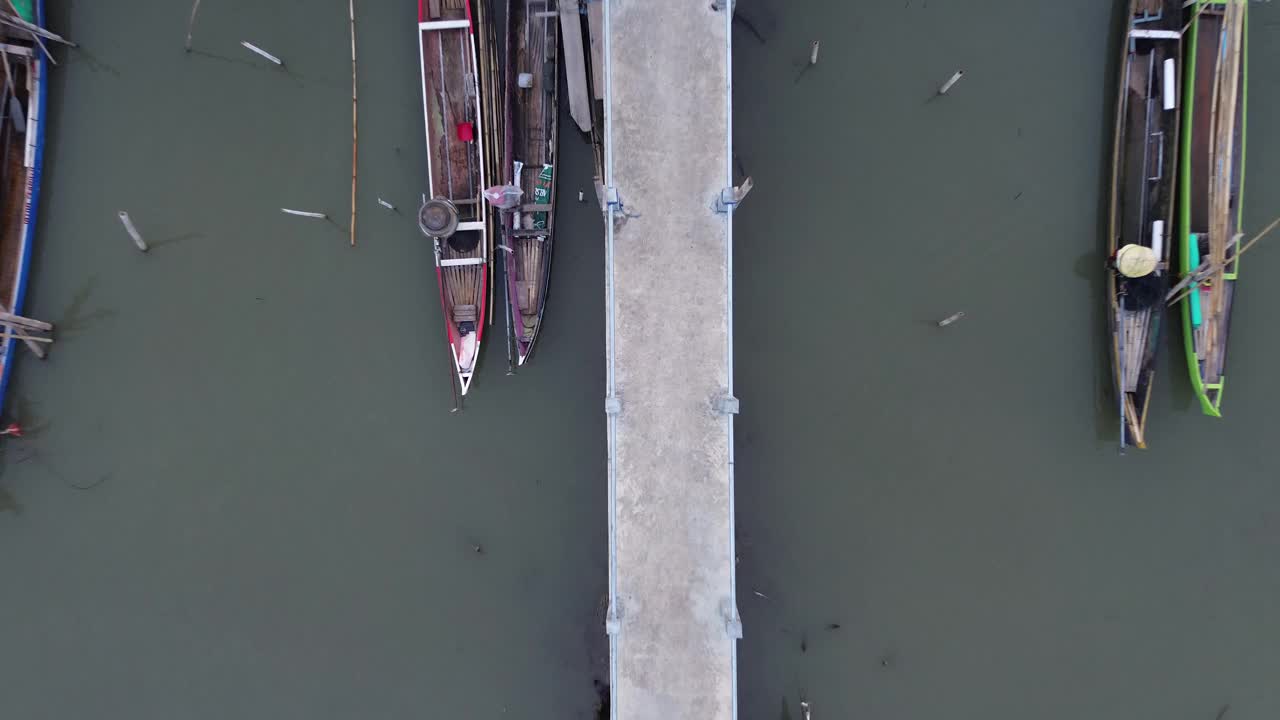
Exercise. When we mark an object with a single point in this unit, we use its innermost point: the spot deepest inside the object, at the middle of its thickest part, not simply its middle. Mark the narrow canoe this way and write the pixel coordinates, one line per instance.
(22, 137)
(455, 215)
(532, 80)
(1211, 187)
(1143, 188)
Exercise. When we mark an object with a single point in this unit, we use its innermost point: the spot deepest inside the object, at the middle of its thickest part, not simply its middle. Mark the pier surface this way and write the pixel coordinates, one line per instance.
(673, 619)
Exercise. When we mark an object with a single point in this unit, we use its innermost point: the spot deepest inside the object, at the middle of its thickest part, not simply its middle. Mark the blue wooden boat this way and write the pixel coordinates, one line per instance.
(23, 118)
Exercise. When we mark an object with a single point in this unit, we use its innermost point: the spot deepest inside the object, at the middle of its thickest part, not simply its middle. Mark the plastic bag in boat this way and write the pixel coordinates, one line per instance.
(503, 197)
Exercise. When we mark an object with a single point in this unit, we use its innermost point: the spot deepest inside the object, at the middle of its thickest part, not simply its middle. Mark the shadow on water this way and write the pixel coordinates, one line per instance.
(176, 239)
(74, 318)
(1091, 265)
(602, 699)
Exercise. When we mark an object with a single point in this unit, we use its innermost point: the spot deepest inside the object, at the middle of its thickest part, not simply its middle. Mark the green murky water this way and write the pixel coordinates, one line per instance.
(243, 494)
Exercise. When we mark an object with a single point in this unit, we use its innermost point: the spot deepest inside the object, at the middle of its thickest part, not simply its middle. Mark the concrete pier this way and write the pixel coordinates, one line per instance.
(673, 619)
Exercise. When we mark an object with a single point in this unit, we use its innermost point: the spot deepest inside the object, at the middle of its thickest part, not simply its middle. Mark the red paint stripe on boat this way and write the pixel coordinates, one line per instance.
(444, 309)
(422, 13)
(484, 299)
(472, 25)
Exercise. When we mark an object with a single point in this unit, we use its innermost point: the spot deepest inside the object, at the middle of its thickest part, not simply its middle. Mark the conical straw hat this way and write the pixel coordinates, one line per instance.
(1135, 261)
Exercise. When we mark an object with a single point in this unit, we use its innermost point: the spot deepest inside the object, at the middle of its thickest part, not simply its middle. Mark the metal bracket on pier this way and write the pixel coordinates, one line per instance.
(731, 196)
(612, 405)
(732, 620)
(612, 199)
(613, 621)
(728, 198)
(719, 5)
(726, 405)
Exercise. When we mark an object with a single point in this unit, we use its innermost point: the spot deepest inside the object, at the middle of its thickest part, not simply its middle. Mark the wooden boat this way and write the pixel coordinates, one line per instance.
(531, 112)
(1211, 184)
(455, 215)
(1143, 188)
(22, 130)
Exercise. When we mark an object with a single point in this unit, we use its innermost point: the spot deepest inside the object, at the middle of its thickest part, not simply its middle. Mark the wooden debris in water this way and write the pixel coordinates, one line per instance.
(304, 213)
(950, 319)
(191, 24)
(813, 53)
(27, 330)
(946, 86)
(133, 231)
(250, 46)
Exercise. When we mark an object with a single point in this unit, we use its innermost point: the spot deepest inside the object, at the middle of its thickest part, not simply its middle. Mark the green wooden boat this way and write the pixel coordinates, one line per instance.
(1211, 185)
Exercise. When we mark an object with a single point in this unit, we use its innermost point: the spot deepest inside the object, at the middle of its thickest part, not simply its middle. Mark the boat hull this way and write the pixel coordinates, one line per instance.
(22, 199)
(1206, 226)
(1141, 207)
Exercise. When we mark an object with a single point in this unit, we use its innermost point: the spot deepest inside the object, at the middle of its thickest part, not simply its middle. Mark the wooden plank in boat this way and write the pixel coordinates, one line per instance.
(575, 65)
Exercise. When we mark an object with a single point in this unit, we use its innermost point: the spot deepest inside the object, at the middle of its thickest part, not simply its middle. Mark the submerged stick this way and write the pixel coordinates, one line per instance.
(133, 231)
(250, 46)
(304, 213)
(946, 86)
(191, 24)
(355, 135)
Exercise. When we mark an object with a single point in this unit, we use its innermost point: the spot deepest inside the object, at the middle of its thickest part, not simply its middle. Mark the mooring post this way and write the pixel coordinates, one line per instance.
(951, 82)
(133, 231)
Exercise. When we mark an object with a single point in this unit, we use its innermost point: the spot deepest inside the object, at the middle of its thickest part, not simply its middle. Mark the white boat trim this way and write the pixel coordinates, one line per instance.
(435, 25)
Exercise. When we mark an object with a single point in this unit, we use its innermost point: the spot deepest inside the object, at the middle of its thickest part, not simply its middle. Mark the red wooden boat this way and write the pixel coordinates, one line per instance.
(454, 214)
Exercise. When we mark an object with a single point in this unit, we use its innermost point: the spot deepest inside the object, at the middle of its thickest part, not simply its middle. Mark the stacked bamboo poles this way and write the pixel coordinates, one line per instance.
(491, 95)
(1223, 118)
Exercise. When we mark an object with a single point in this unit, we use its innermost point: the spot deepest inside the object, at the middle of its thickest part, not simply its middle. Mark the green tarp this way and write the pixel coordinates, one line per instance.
(27, 9)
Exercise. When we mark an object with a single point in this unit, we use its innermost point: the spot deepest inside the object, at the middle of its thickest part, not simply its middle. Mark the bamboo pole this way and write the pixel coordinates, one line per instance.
(304, 213)
(191, 24)
(946, 86)
(355, 133)
(36, 31)
(133, 231)
(30, 342)
(8, 318)
(250, 46)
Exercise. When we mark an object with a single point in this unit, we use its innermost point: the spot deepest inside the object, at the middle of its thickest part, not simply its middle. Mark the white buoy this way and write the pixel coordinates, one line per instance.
(133, 231)
(1170, 93)
(1157, 238)
(386, 204)
(304, 213)
(950, 319)
(950, 83)
(813, 53)
(262, 52)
